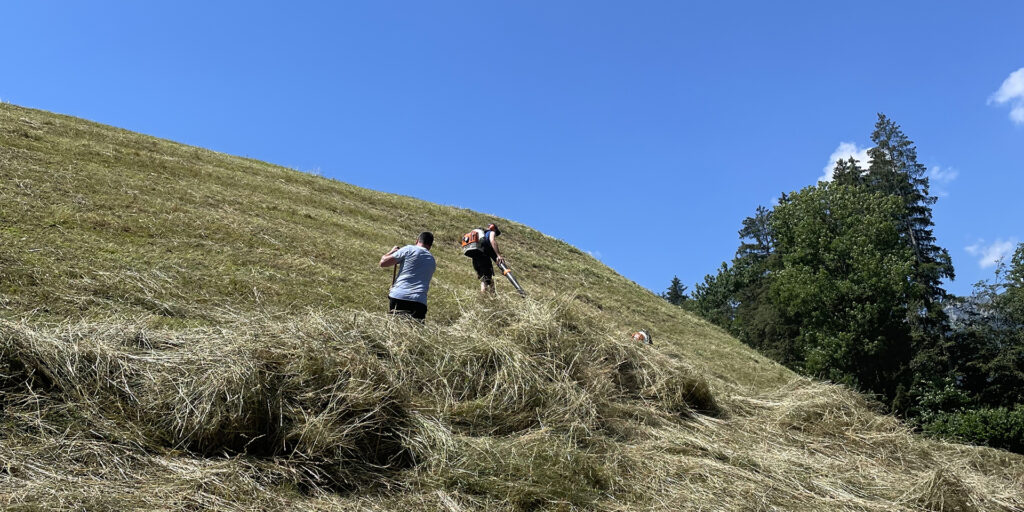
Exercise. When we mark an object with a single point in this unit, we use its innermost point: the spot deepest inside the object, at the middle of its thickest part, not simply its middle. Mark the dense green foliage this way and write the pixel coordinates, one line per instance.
(820, 284)
(841, 284)
(999, 428)
(843, 280)
(972, 384)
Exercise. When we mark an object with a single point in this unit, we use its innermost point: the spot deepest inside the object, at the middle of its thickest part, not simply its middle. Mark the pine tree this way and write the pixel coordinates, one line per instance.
(1014, 297)
(981, 364)
(848, 172)
(757, 320)
(714, 298)
(676, 293)
(895, 171)
(757, 240)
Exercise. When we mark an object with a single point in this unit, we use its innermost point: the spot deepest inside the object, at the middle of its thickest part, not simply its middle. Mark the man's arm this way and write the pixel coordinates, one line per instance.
(387, 260)
(497, 253)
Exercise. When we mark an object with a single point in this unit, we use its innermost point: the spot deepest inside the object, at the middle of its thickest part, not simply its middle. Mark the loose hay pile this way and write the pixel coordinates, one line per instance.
(177, 391)
(519, 405)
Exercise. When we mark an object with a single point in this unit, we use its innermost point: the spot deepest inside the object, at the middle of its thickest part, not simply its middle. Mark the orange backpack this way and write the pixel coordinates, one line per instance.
(473, 242)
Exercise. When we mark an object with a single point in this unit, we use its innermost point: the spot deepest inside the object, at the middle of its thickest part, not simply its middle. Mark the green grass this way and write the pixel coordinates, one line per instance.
(183, 329)
(100, 221)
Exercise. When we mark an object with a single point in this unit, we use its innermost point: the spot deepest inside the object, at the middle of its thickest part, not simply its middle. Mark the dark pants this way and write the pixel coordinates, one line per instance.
(417, 310)
(484, 268)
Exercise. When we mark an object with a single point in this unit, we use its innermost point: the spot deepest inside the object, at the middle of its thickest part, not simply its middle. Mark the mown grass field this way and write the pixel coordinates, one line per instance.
(182, 329)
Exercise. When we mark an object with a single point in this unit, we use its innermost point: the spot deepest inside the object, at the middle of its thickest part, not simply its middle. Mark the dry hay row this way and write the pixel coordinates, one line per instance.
(518, 405)
(339, 402)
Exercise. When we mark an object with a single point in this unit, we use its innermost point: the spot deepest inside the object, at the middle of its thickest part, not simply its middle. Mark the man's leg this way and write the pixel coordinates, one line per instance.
(485, 272)
(419, 311)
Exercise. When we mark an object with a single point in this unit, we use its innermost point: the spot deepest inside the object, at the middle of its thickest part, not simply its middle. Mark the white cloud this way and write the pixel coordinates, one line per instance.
(595, 254)
(1012, 93)
(1017, 113)
(943, 176)
(940, 177)
(844, 152)
(990, 255)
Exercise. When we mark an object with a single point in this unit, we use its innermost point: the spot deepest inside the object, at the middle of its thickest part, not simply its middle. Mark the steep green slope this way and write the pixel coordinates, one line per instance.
(185, 329)
(99, 221)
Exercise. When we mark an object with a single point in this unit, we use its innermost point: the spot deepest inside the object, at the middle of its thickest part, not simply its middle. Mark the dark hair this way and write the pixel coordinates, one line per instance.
(426, 238)
(494, 227)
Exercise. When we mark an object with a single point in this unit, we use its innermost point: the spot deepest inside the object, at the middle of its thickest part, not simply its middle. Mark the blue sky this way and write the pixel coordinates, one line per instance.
(642, 132)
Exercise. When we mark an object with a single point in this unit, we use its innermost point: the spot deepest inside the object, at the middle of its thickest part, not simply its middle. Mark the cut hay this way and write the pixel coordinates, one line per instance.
(520, 405)
(344, 401)
(945, 492)
(186, 330)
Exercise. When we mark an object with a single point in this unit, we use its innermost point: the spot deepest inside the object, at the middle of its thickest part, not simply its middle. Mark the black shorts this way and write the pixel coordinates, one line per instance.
(417, 310)
(484, 268)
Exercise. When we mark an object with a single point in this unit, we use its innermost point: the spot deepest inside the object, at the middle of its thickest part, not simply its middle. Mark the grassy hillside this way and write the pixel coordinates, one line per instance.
(182, 329)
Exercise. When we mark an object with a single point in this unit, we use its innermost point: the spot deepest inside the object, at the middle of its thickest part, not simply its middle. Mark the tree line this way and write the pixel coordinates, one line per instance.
(843, 281)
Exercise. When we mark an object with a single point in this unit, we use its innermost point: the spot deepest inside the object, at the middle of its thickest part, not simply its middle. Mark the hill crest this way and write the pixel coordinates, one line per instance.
(165, 306)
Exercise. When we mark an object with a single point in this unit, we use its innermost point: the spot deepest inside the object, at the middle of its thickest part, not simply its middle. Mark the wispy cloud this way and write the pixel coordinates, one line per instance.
(940, 177)
(989, 255)
(844, 152)
(1011, 93)
(944, 176)
(595, 254)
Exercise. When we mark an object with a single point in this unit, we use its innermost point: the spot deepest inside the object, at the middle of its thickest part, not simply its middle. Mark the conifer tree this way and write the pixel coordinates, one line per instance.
(848, 172)
(1014, 298)
(895, 171)
(714, 298)
(676, 293)
(757, 239)
(757, 320)
(983, 355)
